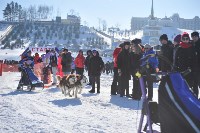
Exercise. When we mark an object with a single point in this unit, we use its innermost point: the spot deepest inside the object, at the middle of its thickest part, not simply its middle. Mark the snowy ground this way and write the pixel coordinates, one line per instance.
(49, 111)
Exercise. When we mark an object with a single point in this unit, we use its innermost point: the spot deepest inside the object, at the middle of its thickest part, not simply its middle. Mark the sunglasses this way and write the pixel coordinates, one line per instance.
(185, 38)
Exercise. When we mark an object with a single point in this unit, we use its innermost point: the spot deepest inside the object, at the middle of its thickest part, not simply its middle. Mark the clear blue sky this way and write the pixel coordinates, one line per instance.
(115, 11)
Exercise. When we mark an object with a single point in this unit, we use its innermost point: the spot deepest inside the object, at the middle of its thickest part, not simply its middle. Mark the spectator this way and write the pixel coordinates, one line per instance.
(151, 66)
(96, 66)
(177, 41)
(87, 62)
(38, 65)
(54, 65)
(123, 64)
(80, 62)
(115, 83)
(167, 52)
(66, 62)
(196, 45)
(107, 67)
(185, 58)
(135, 56)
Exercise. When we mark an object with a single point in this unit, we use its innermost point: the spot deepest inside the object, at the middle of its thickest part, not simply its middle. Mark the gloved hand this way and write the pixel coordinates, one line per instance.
(119, 72)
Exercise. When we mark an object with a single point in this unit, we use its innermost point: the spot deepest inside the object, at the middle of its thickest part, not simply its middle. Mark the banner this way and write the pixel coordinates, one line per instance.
(40, 49)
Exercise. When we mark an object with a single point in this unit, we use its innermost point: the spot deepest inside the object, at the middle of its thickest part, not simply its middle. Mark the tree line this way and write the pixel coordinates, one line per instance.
(14, 12)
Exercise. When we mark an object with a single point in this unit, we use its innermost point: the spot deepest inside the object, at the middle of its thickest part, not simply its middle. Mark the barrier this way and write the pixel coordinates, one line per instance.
(9, 68)
(1, 69)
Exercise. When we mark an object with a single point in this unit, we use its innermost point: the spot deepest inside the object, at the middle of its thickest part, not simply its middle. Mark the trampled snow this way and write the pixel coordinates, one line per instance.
(49, 111)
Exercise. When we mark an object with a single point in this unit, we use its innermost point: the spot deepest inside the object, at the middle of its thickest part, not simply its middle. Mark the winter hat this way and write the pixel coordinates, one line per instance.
(177, 38)
(163, 37)
(80, 51)
(94, 51)
(195, 33)
(136, 41)
(126, 43)
(65, 49)
(89, 51)
(147, 46)
(185, 34)
(121, 45)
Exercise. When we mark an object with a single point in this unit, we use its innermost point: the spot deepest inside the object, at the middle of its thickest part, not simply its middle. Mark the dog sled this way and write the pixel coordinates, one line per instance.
(28, 79)
(177, 109)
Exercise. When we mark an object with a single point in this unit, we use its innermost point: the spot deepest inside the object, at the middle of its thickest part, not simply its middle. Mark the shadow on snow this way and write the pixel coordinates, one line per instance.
(53, 90)
(126, 103)
(18, 92)
(66, 102)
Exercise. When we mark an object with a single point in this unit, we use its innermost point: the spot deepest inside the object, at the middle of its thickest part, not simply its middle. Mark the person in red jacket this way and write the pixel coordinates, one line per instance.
(59, 72)
(115, 78)
(37, 65)
(79, 63)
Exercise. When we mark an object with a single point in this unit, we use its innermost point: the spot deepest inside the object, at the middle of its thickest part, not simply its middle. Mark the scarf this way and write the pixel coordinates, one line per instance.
(185, 45)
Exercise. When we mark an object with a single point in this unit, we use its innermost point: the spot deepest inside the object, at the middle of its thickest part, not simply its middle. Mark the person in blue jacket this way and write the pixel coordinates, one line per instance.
(27, 60)
(25, 64)
(151, 64)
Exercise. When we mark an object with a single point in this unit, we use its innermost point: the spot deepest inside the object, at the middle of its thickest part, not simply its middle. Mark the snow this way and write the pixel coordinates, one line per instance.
(11, 54)
(4, 28)
(49, 111)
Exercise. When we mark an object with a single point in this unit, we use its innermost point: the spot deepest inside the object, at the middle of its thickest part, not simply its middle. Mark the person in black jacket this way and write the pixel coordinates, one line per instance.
(96, 66)
(123, 63)
(185, 58)
(66, 62)
(54, 65)
(135, 56)
(87, 61)
(177, 41)
(167, 52)
(196, 45)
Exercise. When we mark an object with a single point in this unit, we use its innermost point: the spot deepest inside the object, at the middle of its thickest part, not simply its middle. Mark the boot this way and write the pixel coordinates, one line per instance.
(92, 91)
(98, 90)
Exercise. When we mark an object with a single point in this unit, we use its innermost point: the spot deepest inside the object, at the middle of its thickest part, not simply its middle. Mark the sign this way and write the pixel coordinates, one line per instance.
(40, 49)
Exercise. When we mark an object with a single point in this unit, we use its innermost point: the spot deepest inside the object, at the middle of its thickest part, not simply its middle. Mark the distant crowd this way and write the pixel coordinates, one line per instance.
(9, 62)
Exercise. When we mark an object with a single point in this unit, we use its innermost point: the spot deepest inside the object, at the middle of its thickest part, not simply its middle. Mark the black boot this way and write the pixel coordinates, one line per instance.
(18, 88)
(92, 91)
(98, 90)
